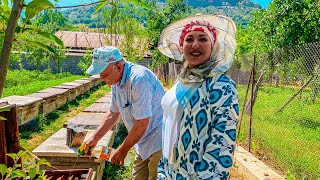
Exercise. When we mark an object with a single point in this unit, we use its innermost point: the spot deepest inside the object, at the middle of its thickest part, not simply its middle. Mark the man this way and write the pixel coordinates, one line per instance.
(136, 97)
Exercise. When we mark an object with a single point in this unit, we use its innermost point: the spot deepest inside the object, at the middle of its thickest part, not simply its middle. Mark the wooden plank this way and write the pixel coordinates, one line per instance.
(21, 100)
(54, 90)
(12, 131)
(3, 141)
(9, 134)
(86, 120)
(97, 108)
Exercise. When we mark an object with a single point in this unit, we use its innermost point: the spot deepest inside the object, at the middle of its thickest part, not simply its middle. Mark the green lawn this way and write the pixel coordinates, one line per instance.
(26, 82)
(291, 139)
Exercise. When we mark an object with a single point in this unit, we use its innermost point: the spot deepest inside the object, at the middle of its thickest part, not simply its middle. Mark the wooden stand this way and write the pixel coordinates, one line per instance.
(9, 134)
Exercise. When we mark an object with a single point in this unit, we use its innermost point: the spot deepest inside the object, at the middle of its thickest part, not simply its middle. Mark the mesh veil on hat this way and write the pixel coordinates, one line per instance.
(169, 38)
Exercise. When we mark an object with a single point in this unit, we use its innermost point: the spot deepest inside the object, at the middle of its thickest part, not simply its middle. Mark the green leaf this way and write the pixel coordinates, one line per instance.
(22, 153)
(43, 162)
(4, 14)
(32, 172)
(5, 109)
(18, 173)
(2, 118)
(51, 37)
(38, 44)
(140, 3)
(5, 2)
(3, 169)
(36, 6)
(100, 5)
(13, 156)
(114, 12)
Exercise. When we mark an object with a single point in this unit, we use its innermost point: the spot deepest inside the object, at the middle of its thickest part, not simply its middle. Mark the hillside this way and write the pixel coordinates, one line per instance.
(206, 3)
(238, 10)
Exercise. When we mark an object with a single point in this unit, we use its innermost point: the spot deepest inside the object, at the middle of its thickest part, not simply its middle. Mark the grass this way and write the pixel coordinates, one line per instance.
(117, 171)
(290, 139)
(26, 82)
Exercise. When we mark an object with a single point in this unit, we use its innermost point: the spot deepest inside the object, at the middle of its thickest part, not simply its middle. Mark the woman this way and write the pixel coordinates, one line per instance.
(201, 109)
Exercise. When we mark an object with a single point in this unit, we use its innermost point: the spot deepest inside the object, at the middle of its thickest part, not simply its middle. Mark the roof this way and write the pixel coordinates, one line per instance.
(90, 40)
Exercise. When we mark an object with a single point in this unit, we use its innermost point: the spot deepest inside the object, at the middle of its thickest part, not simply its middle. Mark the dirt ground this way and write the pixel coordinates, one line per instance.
(234, 175)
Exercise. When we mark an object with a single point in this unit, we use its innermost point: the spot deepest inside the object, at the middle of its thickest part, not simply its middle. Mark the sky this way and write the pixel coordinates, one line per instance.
(263, 3)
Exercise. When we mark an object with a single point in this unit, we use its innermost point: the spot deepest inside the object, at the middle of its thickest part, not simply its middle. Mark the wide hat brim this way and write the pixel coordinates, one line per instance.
(169, 38)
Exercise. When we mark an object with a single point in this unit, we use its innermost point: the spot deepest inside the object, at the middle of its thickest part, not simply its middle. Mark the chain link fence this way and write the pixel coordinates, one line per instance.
(284, 130)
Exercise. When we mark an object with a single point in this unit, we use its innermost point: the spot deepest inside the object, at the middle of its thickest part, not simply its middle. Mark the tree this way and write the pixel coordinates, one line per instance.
(52, 20)
(14, 29)
(158, 19)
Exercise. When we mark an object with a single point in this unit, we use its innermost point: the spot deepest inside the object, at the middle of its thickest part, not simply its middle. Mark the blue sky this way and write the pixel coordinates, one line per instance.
(263, 3)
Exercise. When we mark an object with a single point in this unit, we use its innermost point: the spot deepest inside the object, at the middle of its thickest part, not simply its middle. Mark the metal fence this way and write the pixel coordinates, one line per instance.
(284, 126)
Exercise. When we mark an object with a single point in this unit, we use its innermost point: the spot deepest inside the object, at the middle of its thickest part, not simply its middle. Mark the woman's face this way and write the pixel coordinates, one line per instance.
(196, 48)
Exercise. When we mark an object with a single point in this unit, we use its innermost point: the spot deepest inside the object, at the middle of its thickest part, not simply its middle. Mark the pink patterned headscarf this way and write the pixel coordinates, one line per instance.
(202, 26)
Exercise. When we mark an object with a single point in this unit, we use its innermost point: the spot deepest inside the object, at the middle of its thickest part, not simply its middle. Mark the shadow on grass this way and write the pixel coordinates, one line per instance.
(308, 123)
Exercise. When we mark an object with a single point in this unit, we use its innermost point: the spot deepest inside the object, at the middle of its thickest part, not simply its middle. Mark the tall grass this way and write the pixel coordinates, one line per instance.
(23, 82)
(291, 138)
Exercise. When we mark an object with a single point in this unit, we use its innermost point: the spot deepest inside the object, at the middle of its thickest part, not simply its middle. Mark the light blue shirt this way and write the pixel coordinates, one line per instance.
(138, 96)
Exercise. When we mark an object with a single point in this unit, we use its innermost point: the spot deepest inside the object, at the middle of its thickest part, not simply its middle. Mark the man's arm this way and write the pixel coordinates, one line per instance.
(109, 120)
(132, 138)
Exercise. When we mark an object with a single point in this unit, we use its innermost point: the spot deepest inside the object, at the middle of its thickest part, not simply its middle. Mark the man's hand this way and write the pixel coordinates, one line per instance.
(119, 155)
(90, 144)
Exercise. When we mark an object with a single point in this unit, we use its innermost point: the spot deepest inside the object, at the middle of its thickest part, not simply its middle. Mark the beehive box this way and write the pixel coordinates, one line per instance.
(86, 83)
(50, 101)
(80, 87)
(62, 95)
(28, 108)
(61, 156)
(74, 91)
(95, 80)
(86, 120)
(71, 174)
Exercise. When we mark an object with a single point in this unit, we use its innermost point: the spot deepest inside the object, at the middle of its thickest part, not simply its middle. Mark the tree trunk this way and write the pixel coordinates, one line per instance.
(8, 39)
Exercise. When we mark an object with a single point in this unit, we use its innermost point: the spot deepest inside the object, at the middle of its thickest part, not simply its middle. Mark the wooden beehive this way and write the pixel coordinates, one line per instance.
(71, 174)
(85, 83)
(73, 91)
(49, 103)
(62, 97)
(80, 87)
(28, 108)
(61, 156)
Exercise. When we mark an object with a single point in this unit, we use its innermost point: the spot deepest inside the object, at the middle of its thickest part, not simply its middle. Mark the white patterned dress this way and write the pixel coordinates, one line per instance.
(206, 140)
